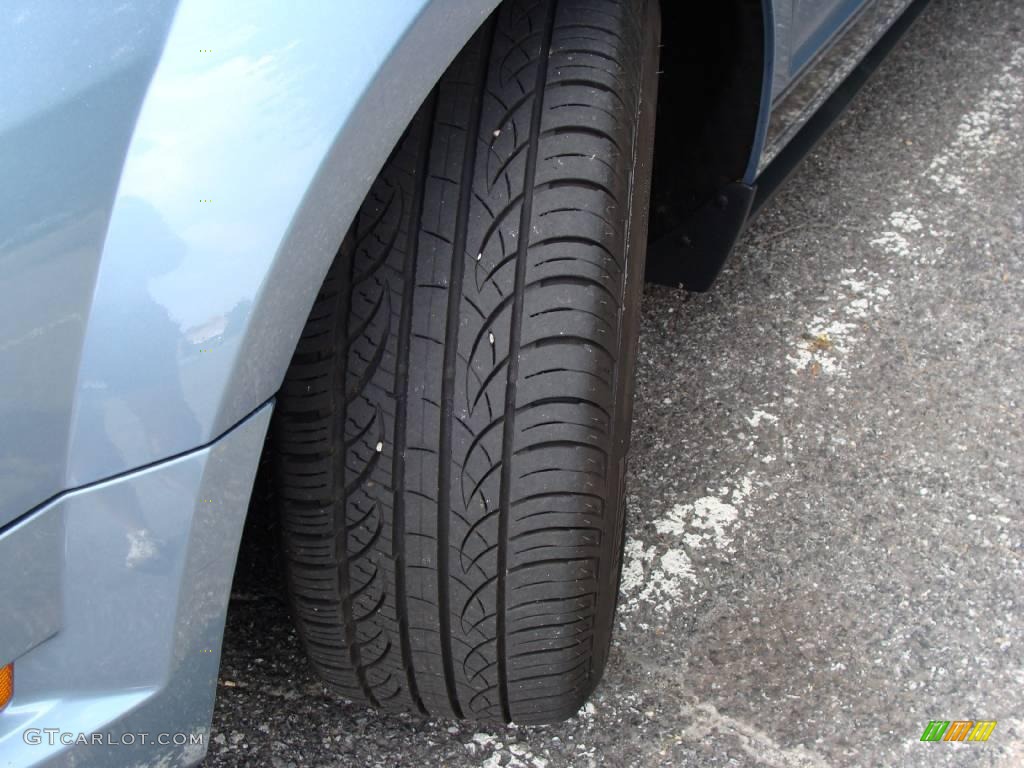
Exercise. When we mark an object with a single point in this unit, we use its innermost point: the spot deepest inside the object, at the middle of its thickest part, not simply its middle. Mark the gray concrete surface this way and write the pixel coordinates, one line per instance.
(825, 515)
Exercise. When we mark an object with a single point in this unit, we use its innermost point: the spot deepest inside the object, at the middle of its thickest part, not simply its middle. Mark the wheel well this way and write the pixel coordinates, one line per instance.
(709, 96)
(712, 62)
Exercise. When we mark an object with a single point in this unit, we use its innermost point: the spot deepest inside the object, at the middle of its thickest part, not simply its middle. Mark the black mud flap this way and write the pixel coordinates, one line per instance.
(693, 254)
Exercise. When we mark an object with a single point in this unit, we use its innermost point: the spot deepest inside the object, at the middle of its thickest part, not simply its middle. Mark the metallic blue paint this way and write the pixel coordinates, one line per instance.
(847, 33)
(245, 169)
(815, 24)
(773, 27)
(147, 566)
(72, 79)
(778, 56)
(119, 353)
(31, 569)
(801, 29)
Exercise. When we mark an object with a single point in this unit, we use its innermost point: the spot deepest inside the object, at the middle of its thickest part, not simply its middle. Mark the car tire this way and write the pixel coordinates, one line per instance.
(450, 439)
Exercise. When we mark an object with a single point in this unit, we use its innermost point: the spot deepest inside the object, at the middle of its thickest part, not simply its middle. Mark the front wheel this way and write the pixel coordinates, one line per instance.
(451, 436)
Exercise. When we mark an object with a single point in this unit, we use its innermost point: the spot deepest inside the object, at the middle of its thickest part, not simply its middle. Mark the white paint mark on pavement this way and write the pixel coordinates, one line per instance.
(991, 126)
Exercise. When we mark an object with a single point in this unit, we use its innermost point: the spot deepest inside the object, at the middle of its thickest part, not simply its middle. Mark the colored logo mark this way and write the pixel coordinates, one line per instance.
(958, 730)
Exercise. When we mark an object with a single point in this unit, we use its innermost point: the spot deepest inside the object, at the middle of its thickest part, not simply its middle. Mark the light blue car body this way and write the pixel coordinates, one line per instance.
(176, 179)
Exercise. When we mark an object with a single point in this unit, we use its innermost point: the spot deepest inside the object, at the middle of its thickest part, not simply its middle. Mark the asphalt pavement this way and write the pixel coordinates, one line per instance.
(826, 505)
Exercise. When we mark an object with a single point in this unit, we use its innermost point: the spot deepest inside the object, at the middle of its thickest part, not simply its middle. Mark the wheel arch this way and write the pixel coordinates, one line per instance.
(259, 136)
(428, 45)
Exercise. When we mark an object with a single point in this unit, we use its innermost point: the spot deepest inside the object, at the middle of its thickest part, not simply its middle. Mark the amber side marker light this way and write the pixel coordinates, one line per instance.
(6, 684)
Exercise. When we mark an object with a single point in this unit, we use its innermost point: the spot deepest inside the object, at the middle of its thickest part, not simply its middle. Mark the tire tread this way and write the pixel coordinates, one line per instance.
(449, 439)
